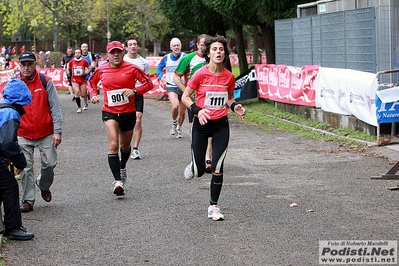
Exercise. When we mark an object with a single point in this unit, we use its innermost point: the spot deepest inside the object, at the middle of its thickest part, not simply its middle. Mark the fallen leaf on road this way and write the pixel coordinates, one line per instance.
(293, 204)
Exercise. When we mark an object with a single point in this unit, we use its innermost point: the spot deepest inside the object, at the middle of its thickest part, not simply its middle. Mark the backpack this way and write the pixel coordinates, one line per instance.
(43, 80)
(6, 105)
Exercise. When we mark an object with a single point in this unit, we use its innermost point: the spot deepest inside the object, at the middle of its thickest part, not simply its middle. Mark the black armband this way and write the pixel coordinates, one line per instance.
(195, 109)
(232, 106)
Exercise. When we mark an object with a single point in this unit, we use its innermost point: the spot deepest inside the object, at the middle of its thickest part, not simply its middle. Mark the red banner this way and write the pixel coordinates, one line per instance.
(287, 84)
(61, 83)
(5, 76)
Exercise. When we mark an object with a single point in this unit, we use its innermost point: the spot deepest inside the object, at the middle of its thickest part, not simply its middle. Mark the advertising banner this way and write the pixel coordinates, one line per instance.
(347, 92)
(292, 85)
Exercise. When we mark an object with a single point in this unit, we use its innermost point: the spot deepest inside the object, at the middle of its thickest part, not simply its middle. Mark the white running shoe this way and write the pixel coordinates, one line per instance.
(178, 133)
(188, 172)
(118, 188)
(214, 213)
(135, 154)
(86, 106)
(123, 176)
(173, 130)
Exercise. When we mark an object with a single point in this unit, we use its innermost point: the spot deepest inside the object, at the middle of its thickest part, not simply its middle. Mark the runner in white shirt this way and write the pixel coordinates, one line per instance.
(134, 57)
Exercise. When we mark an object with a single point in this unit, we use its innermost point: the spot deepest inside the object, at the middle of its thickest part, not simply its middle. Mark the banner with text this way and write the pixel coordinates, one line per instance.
(347, 92)
(60, 80)
(387, 104)
(246, 85)
(287, 84)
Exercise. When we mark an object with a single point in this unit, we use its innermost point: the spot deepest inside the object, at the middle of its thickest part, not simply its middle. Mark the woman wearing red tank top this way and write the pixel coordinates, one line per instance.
(214, 87)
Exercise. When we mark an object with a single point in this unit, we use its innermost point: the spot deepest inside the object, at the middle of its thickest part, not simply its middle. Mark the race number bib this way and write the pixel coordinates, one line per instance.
(78, 71)
(215, 100)
(116, 97)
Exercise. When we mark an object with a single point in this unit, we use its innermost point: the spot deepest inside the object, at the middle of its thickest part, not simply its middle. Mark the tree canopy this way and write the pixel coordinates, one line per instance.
(69, 20)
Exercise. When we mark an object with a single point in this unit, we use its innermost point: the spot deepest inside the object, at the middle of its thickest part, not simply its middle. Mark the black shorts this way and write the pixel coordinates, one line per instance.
(175, 90)
(139, 101)
(126, 121)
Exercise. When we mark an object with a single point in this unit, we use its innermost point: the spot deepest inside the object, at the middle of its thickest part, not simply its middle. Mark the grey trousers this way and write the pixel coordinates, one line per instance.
(48, 158)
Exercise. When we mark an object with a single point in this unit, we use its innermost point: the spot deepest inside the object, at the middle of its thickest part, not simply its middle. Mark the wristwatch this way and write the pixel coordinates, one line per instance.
(135, 91)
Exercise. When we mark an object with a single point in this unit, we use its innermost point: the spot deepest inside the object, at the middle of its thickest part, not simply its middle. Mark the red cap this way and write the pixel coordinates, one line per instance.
(114, 45)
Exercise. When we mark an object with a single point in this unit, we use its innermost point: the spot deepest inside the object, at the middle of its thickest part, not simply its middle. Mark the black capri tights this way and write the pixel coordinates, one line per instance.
(220, 132)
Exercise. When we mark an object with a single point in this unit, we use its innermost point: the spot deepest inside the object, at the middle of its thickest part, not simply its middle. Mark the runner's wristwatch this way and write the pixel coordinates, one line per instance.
(135, 91)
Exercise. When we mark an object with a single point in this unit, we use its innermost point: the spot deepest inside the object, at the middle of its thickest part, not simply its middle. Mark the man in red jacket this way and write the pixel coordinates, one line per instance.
(41, 127)
(118, 79)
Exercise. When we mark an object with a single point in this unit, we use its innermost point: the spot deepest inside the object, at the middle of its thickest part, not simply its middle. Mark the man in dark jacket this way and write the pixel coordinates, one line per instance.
(15, 95)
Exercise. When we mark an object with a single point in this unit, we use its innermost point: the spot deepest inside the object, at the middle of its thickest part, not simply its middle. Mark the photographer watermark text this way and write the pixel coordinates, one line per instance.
(358, 252)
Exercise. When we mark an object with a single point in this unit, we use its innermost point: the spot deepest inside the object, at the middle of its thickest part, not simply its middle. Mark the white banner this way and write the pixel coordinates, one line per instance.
(347, 92)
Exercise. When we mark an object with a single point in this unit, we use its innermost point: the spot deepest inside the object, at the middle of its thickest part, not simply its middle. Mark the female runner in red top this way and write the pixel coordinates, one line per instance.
(214, 87)
(79, 68)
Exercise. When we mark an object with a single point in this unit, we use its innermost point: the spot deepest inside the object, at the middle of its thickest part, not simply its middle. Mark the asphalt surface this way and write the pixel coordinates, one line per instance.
(162, 219)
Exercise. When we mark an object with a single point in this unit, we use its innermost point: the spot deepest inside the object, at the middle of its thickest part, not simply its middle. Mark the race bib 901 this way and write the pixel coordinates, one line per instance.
(116, 97)
(215, 100)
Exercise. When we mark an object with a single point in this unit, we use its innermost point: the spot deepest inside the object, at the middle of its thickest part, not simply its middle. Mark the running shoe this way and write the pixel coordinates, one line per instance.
(173, 130)
(135, 155)
(208, 168)
(118, 188)
(188, 172)
(79, 110)
(214, 213)
(178, 133)
(123, 176)
(86, 107)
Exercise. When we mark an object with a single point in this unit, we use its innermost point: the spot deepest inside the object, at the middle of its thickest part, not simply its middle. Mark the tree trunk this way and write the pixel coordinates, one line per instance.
(56, 28)
(143, 51)
(219, 29)
(240, 45)
(268, 38)
(255, 46)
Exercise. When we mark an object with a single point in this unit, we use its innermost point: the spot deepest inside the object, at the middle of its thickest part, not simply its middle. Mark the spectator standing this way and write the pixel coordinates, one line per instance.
(43, 134)
(214, 87)
(118, 80)
(191, 44)
(22, 49)
(2, 62)
(7, 61)
(169, 62)
(64, 63)
(132, 56)
(15, 95)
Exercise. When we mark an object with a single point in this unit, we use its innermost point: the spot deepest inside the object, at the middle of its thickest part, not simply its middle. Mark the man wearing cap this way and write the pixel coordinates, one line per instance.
(41, 127)
(118, 80)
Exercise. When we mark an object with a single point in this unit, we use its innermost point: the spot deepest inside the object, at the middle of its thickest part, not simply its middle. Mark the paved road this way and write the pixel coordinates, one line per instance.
(162, 218)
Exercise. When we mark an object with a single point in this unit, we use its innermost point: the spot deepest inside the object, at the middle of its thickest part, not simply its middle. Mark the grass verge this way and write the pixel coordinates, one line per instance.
(266, 116)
